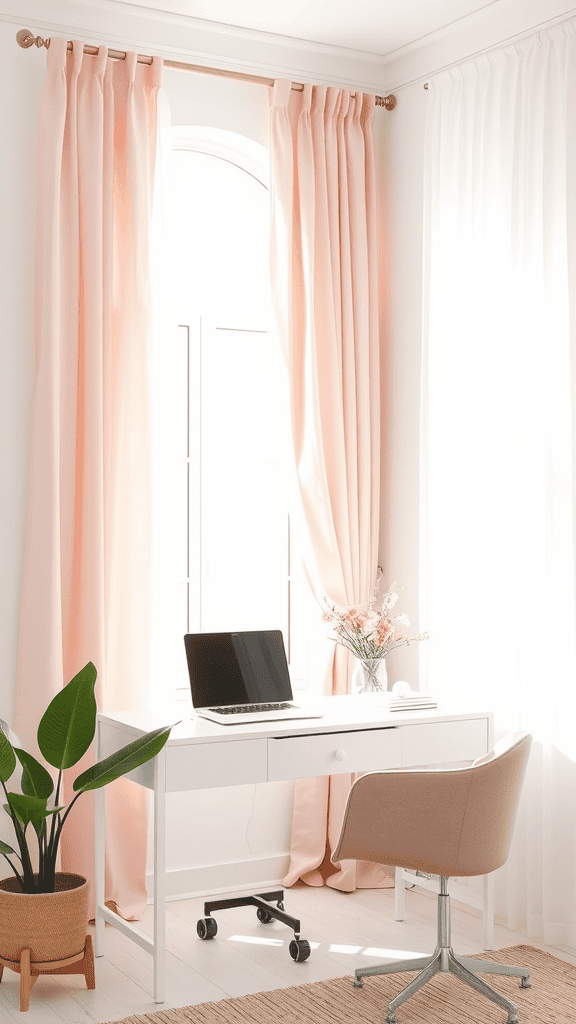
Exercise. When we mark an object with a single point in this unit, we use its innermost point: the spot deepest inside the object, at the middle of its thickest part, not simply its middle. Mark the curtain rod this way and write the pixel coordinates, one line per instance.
(26, 38)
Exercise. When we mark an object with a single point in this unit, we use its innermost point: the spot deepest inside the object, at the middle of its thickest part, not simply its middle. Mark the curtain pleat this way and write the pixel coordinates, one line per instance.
(325, 288)
(85, 589)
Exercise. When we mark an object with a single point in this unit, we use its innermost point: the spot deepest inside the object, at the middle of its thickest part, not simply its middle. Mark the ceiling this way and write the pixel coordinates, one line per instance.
(371, 26)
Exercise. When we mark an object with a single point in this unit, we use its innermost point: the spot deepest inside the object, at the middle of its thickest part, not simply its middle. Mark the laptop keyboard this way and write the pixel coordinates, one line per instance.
(243, 709)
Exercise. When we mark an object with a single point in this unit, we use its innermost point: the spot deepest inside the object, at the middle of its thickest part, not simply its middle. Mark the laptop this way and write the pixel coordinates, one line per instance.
(242, 677)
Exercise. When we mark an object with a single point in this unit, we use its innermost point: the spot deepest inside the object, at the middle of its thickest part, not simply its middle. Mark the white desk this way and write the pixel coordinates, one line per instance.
(356, 734)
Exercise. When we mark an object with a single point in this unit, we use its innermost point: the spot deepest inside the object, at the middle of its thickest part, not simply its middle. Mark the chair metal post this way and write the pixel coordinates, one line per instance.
(443, 914)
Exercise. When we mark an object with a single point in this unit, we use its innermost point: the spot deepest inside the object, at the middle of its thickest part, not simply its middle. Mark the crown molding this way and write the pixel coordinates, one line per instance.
(174, 36)
(122, 25)
(489, 27)
(159, 14)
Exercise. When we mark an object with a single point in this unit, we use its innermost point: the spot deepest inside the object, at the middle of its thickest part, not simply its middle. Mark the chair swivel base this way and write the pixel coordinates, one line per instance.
(444, 960)
(207, 927)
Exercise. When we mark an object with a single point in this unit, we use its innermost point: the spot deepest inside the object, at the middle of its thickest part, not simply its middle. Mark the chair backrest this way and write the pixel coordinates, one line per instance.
(453, 822)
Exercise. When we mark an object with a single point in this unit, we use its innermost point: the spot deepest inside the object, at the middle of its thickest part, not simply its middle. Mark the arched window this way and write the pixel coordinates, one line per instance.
(224, 546)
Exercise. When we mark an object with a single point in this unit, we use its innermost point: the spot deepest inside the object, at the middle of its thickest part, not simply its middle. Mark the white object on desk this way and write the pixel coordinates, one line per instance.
(401, 689)
(355, 734)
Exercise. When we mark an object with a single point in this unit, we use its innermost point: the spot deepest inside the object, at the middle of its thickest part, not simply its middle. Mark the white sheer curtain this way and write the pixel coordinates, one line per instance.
(498, 573)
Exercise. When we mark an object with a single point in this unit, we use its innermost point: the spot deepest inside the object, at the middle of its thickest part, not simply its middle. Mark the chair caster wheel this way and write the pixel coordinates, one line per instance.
(263, 915)
(358, 983)
(207, 928)
(525, 983)
(299, 950)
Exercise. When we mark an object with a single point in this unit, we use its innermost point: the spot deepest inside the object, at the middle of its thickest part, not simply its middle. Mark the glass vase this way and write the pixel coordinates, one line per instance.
(372, 677)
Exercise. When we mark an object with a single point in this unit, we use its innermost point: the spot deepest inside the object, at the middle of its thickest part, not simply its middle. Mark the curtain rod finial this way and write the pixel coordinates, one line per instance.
(386, 101)
(25, 38)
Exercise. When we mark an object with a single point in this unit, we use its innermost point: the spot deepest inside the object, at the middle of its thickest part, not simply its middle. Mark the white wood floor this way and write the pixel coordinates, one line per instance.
(344, 930)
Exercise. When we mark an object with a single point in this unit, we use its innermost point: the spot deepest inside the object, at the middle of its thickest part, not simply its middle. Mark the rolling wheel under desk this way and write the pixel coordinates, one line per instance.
(356, 734)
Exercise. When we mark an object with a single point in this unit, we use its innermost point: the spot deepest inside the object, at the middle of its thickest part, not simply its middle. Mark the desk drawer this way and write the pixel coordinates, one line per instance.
(206, 765)
(442, 742)
(303, 757)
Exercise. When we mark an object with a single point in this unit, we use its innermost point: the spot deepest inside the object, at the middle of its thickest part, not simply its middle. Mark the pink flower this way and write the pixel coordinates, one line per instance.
(356, 619)
(384, 630)
(366, 632)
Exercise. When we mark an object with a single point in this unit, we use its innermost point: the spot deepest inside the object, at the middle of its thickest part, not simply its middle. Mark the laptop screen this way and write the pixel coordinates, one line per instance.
(237, 668)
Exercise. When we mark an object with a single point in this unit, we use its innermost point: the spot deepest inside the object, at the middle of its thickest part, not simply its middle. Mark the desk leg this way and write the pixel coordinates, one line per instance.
(488, 911)
(159, 875)
(99, 855)
(399, 895)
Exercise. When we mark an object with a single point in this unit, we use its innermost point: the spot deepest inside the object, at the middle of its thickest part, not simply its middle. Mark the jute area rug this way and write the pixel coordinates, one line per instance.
(445, 1000)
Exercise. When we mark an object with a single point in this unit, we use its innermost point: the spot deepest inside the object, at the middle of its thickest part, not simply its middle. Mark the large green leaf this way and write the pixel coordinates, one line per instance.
(124, 760)
(68, 725)
(36, 781)
(7, 757)
(30, 808)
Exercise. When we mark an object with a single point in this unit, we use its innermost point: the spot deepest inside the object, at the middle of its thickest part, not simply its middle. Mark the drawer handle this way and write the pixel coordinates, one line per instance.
(340, 754)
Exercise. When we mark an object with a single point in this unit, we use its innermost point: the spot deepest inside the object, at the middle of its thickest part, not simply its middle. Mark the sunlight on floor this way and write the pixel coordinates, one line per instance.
(392, 954)
(265, 942)
(256, 941)
(334, 947)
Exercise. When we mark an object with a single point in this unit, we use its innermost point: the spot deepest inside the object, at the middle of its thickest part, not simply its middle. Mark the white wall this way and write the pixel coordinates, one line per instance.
(400, 136)
(218, 103)
(247, 834)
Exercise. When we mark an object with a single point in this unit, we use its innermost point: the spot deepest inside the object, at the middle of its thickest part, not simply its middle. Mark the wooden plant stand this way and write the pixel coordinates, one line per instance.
(81, 963)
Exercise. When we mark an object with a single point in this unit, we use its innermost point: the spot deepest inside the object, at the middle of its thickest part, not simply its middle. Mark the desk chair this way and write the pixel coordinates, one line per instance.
(447, 822)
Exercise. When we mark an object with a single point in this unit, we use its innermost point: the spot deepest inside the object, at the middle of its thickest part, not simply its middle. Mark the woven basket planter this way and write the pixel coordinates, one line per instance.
(52, 925)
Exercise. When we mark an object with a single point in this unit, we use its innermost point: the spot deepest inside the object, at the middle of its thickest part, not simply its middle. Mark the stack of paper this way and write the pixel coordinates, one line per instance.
(415, 702)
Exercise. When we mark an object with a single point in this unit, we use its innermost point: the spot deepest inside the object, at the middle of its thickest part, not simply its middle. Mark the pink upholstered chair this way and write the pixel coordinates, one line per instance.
(446, 822)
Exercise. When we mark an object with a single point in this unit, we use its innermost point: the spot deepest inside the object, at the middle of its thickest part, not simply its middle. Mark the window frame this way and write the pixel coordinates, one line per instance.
(253, 158)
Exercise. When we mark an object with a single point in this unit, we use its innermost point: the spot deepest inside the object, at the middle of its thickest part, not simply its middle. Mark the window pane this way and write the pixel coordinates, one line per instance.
(221, 230)
(244, 499)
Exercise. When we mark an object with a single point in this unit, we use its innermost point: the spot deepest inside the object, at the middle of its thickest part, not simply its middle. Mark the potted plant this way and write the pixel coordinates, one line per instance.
(43, 912)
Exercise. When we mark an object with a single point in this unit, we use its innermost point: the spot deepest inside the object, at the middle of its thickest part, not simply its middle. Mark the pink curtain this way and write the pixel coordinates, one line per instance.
(86, 578)
(325, 285)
